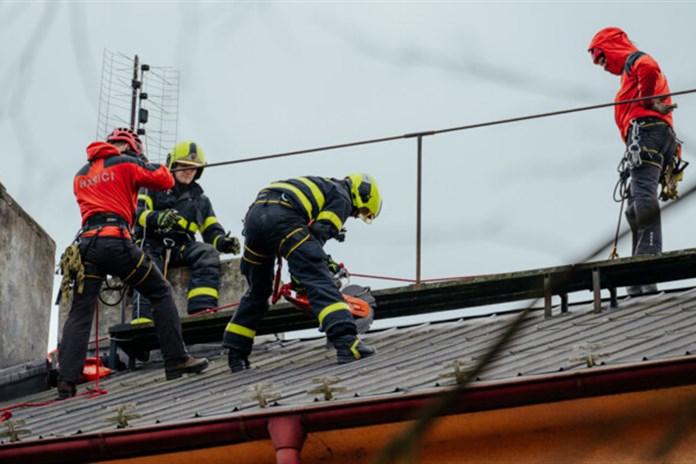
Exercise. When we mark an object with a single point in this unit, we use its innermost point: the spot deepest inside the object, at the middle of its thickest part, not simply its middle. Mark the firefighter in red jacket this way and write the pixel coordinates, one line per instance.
(646, 128)
(106, 189)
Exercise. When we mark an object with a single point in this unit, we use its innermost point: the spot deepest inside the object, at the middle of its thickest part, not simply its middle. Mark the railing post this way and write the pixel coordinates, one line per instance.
(419, 186)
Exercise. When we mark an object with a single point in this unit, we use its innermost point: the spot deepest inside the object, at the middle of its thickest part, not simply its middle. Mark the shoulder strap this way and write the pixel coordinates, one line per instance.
(630, 61)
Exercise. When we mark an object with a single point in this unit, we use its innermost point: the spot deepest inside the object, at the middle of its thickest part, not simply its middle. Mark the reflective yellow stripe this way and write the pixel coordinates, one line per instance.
(215, 240)
(354, 349)
(187, 225)
(298, 193)
(142, 256)
(209, 221)
(203, 291)
(298, 244)
(273, 202)
(240, 330)
(328, 215)
(318, 196)
(254, 253)
(149, 268)
(250, 261)
(143, 217)
(332, 308)
(282, 242)
(148, 201)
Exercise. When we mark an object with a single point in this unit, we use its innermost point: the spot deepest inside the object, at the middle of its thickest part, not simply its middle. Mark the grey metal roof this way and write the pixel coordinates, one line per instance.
(410, 359)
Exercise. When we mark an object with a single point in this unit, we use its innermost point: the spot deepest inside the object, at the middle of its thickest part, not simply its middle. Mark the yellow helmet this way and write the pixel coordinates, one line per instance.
(188, 153)
(365, 196)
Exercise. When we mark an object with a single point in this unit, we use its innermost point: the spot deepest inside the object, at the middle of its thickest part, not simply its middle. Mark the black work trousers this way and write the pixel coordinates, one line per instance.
(204, 281)
(271, 230)
(658, 145)
(118, 257)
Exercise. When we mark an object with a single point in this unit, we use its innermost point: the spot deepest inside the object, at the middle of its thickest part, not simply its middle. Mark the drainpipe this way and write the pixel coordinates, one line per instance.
(287, 435)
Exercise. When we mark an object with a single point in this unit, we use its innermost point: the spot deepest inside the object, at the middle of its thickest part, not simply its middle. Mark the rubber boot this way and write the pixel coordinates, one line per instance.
(66, 389)
(237, 361)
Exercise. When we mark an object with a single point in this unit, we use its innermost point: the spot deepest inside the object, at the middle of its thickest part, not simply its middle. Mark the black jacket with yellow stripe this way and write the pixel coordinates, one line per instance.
(324, 202)
(191, 204)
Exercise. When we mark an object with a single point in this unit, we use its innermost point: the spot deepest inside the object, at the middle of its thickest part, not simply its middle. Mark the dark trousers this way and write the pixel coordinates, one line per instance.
(269, 230)
(658, 146)
(118, 257)
(204, 281)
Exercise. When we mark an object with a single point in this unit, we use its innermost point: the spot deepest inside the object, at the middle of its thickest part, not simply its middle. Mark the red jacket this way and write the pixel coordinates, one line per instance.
(644, 78)
(109, 183)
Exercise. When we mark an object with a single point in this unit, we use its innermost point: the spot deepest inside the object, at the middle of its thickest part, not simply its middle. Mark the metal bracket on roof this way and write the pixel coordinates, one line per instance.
(261, 397)
(461, 369)
(121, 419)
(547, 296)
(326, 388)
(597, 290)
(588, 354)
(12, 431)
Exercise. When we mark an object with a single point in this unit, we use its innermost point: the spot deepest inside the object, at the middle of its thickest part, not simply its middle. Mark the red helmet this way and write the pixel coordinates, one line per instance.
(125, 134)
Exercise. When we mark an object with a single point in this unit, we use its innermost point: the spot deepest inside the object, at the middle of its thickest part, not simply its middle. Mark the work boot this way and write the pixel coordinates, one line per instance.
(66, 390)
(188, 366)
(237, 361)
(350, 348)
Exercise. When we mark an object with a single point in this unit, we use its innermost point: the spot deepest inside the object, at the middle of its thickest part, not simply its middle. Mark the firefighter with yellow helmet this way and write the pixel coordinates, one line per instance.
(167, 223)
(293, 219)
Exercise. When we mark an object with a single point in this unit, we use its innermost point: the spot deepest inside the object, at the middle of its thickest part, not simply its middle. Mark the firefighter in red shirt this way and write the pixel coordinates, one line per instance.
(106, 189)
(646, 128)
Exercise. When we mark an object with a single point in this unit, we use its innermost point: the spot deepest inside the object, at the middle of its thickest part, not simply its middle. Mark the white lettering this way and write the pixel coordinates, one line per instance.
(105, 176)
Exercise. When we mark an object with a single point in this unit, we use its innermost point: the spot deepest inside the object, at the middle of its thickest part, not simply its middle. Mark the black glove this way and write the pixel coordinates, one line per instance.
(341, 234)
(167, 219)
(228, 244)
(334, 267)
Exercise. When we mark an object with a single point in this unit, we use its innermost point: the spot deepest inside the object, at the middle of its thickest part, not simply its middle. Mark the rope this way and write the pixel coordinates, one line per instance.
(400, 279)
(440, 131)
(71, 264)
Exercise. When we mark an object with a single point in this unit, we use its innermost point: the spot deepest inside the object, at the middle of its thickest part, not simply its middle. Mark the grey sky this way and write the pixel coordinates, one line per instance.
(266, 77)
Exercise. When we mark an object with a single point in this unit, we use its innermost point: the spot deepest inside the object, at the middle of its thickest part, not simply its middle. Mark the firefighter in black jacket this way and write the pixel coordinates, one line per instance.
(293, 219)
(177, 245)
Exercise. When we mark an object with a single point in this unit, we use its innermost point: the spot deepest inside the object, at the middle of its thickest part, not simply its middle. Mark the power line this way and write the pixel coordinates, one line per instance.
(442, 131)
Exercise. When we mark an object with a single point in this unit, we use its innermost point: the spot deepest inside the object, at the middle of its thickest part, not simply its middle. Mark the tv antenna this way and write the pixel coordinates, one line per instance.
(134, 94)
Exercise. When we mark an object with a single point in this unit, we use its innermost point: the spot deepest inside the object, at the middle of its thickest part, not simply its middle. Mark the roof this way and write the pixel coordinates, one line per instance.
(411, 359)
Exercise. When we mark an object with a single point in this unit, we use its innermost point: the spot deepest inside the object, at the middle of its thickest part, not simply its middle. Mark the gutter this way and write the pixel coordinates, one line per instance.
(288, 428)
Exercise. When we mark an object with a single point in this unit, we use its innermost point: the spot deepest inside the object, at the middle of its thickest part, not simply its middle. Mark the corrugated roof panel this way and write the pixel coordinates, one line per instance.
(410, 359)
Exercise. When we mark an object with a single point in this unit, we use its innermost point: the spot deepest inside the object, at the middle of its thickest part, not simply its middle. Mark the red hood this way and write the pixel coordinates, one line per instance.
(97, 150)
(616, 47)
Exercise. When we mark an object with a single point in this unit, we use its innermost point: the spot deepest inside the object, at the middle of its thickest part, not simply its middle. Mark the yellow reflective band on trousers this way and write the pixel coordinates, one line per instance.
(203, 291)
(209, 221)
(240, 330)
(330, 216)
(300, 242)
(331, 309)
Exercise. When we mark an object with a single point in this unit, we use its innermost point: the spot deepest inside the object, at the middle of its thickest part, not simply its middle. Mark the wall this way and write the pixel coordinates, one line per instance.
(232, 287)
(27, 269)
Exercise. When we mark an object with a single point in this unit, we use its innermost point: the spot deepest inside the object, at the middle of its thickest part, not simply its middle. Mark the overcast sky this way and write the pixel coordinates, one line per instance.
(266, 77)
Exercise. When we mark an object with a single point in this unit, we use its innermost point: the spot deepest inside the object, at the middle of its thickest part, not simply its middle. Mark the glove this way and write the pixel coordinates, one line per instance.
(334, 267)
(341, 234)
(228, 245)
(167, 219)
